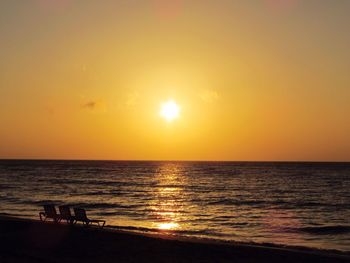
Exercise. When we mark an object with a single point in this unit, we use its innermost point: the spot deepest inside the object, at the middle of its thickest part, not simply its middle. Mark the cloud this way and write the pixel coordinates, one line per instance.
(90, 105)
(132, 99)
(95, 105)
(209, 96)
(50, 110)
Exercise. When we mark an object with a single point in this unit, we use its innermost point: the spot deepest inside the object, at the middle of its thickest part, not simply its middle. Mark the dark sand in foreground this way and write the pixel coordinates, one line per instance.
(32, 241)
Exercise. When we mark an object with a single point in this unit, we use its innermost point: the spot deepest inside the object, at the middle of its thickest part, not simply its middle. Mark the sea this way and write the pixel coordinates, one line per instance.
(279, 203)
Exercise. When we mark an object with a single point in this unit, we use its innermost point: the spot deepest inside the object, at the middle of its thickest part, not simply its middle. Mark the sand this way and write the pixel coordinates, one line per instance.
(34, 241)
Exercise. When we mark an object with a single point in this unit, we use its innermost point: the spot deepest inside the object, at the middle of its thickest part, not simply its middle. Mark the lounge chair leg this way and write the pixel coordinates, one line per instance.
(42, 216)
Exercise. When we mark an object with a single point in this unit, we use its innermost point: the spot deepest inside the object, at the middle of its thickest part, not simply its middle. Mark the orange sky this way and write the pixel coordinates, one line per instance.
(255, 80)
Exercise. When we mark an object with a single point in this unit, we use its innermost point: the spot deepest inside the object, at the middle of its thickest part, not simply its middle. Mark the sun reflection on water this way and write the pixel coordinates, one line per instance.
(167, 206)
(168, 226)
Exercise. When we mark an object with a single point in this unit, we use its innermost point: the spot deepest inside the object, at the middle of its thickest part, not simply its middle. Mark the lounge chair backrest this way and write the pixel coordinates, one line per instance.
(80, 214)
(50, 210)
(65, 211)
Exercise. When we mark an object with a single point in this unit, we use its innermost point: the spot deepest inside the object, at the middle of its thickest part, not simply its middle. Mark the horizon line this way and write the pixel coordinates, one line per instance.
(175, 160)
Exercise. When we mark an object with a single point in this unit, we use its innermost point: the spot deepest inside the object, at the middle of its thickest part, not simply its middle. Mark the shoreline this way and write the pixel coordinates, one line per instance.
(174, 235)
(47, 242)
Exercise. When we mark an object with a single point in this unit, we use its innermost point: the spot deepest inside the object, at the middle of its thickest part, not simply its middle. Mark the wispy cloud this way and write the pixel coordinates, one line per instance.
(50, 110)
(209, 96)
(90, 105)
(132, 99)
(95, 105)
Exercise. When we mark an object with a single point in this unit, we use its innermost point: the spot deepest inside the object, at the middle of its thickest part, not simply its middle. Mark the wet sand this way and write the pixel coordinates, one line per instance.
(32, 241)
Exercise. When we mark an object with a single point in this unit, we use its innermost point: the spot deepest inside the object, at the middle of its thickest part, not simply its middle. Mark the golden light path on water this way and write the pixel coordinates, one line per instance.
(167, 206)
(168, 226)
(166, 202)
(170, 204)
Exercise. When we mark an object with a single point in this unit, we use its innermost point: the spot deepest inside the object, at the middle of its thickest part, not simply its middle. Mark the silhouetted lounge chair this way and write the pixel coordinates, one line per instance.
(65, 214)
(80, 215)
(50, 212)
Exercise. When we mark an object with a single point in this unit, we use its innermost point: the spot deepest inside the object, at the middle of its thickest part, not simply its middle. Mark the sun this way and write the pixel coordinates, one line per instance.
(170, 110)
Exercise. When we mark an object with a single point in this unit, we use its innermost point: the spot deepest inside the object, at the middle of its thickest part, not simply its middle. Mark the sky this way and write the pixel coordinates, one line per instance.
(259, 80)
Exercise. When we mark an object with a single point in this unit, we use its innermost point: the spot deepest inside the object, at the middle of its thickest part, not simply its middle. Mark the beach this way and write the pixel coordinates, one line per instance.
(24, 240)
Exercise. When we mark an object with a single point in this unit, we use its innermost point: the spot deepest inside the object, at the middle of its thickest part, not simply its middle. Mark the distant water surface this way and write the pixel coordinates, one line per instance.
(298, 204)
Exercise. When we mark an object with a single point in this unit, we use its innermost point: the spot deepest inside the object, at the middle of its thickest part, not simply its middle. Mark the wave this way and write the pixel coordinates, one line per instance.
(168, 231)
(100, 193)
(103, 205)
(326, 230)
(318, 230)
(16, 214)
(279, 203)
(7, 186)
(236, 202)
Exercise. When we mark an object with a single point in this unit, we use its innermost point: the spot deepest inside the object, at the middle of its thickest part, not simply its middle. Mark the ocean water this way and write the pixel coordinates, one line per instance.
(295, 204)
